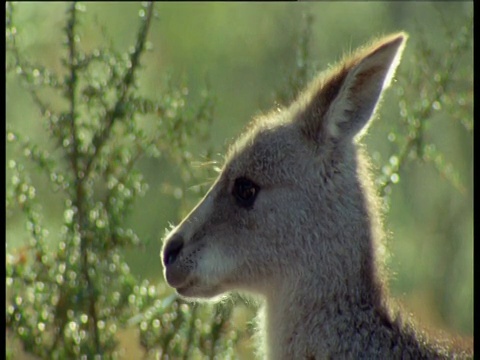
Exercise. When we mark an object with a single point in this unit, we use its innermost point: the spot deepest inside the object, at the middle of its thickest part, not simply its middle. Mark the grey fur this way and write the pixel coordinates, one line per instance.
(309, 245)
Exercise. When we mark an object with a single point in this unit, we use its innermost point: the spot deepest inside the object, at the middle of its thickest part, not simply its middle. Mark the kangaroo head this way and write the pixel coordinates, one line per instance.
(290, 200)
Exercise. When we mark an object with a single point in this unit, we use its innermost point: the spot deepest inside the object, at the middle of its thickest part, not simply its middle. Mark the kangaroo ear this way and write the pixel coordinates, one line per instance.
(339, 104)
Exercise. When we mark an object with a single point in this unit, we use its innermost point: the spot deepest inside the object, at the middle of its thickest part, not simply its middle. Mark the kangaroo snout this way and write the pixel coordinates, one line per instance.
(172, 249)
(176, 272)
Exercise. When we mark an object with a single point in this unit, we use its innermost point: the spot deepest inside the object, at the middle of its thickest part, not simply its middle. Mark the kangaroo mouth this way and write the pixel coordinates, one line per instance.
(183, 289)
(187, 286)
(195, 289)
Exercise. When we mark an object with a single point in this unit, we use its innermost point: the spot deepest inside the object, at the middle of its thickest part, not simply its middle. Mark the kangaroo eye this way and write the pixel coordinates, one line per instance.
(245, 191)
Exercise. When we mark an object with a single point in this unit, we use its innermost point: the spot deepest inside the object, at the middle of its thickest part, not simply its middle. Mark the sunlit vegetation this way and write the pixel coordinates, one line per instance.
(103, 145)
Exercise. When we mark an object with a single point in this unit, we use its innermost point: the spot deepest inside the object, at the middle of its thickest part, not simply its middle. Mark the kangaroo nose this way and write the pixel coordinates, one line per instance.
(172, 250)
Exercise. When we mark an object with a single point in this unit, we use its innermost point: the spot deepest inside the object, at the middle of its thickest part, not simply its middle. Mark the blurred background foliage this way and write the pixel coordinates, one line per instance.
(204, 69)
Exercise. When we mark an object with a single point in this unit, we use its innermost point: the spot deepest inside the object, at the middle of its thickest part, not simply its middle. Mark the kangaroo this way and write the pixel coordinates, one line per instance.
(293, 218)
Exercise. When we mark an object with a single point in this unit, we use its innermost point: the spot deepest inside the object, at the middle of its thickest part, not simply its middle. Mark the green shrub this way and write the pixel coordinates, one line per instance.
(70, 301)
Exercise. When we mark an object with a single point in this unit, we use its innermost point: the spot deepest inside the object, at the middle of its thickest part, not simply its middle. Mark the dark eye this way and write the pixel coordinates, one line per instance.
(245, 191)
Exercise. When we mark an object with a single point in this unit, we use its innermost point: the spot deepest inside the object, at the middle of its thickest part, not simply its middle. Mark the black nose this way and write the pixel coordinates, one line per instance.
(172, 249)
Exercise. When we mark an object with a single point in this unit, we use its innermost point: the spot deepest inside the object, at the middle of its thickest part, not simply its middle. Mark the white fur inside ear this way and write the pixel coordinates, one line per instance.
(350, 112)
(394, 64)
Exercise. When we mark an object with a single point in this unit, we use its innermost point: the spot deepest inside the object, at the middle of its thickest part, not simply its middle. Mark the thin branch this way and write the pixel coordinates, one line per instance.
(117, 112)
(71, 90)
(78, 173)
